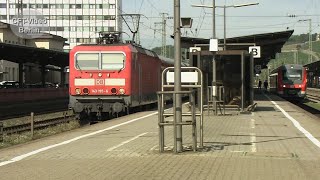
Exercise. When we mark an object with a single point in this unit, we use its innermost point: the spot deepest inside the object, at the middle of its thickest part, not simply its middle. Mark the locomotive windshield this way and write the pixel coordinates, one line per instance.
(87, 61)
(292, 75)
(112, 61)
(100, 61)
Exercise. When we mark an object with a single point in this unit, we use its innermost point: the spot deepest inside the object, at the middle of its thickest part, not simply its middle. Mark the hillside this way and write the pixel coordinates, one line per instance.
(295, 51)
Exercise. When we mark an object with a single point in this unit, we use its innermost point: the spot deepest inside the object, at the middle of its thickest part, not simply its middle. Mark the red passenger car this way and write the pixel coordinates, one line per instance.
(289, 81)
(111, 78)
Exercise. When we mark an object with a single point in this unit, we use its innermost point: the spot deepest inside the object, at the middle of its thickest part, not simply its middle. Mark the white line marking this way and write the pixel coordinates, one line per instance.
(253, 124)
(297, 124)
(23, 156)
(154, 147)
(253, 142)
(253, 138)
(125, 142)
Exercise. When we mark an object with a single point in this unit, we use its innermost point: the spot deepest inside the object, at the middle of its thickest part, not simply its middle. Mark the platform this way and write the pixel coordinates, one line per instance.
(270, 143)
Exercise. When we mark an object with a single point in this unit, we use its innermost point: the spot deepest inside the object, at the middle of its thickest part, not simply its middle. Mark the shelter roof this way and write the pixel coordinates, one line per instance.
(23, 54)
(270, 43)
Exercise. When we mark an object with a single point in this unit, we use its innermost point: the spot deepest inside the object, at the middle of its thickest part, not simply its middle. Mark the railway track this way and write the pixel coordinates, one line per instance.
(8, 111)
(37, 125)
(313, 95)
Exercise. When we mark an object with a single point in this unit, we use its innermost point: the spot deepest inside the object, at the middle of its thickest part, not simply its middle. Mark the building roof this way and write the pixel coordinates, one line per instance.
(23, 54)
(43, 35)
(270, 43)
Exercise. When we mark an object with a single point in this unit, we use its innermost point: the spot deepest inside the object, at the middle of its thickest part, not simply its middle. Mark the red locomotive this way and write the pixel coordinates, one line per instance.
(110, 78)
(289, 81)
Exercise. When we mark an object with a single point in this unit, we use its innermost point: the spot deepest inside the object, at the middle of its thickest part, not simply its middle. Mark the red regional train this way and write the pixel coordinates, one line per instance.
(110, 78)
(289, 81)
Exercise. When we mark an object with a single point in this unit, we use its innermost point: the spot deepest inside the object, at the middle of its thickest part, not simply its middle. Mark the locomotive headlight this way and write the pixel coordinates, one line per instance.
(122, 91)
(100, 74)
(86, 91)
(78, 91)
(284, 86)
(300, 86)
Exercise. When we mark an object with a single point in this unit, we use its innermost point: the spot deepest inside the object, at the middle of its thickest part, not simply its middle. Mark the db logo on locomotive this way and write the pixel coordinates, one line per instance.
(99, 82)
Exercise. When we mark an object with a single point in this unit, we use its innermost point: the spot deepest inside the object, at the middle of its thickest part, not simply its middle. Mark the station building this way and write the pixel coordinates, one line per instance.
(79, 21)
(9, 70)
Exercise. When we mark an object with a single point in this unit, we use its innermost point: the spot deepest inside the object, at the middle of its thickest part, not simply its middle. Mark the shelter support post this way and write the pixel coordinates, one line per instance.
(21, 81)
(43, 75)
(242, 81)
(63, 77)
(251, 78)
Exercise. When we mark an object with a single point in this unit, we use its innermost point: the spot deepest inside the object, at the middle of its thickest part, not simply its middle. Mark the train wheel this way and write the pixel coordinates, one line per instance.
(83, 118)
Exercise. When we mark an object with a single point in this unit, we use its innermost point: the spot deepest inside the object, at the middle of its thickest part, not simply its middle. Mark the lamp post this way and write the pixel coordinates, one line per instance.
(177, 72)
(224, 15)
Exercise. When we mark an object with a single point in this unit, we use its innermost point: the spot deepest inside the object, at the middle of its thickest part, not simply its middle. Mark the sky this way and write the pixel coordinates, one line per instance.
(266, 17)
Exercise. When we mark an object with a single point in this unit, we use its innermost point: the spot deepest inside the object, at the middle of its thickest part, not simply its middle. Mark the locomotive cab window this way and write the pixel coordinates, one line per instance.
(87, 61)
(292, 75)
(112, 61)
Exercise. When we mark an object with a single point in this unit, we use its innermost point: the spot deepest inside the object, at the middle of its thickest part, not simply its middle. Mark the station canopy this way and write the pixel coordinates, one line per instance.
(270, 44)
(25, 54)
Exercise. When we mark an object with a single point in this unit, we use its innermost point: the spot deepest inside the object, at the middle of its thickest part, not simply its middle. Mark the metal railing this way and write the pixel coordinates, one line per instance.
(162, 123)
(191, 78)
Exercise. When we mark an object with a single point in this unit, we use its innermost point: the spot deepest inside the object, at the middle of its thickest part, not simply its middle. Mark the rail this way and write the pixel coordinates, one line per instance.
(36, 125)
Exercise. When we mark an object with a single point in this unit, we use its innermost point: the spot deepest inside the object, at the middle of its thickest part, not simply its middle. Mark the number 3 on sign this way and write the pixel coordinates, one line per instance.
(256, 51)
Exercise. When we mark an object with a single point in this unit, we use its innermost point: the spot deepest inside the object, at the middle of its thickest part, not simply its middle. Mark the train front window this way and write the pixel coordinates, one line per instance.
(87, 61)
(292, 75)
(112, 61)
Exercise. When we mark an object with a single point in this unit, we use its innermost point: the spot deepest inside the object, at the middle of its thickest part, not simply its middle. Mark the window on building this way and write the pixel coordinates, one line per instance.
(79, 29)
(99, 29)
(78, 6)
(66, 17)
(86, 17)
(86, 29)
(73, 17)
(45, 6)
(85, 6)
(92, 6)
(59, 17)
(112, 6)
(72, 6)
(40, 6)
(53, 6)
(111, 28)
(98, 6)
(3, 5)
(3, 17)
(32, 6)
(25, 6)
(53, 17)
(12, 5)
(60, 28)
(105, 6)
(73, 29)
(79, 17)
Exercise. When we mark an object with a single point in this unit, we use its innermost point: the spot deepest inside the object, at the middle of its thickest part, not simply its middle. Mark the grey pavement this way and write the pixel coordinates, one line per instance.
(261, 145)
